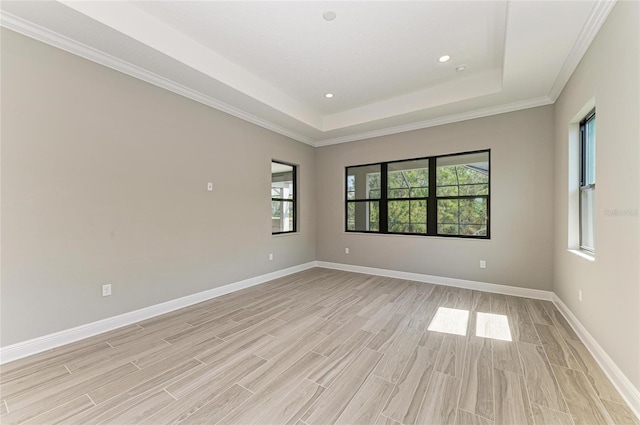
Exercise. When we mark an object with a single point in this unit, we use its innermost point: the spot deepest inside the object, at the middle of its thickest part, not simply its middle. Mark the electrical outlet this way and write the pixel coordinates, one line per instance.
(106, 290)
(346, 250)
(580, 295)
(270, 257)
(483, 264)
(210, 187)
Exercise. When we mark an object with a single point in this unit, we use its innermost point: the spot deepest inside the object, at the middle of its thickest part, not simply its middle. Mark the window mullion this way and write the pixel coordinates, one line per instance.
(382, 208)
(432, 202)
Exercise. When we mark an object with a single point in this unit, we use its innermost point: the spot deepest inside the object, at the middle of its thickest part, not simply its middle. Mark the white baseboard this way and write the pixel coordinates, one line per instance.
(447, 281)
(46, 342)
(626, 389)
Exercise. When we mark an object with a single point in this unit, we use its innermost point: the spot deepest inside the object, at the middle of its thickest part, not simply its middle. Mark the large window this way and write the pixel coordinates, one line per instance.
(437, 196)
(587, 180)
(283, 197)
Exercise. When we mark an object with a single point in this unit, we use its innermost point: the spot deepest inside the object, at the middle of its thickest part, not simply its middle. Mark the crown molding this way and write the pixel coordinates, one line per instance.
(464, 116)
(596, 18)
(62, 42)
(599, 13)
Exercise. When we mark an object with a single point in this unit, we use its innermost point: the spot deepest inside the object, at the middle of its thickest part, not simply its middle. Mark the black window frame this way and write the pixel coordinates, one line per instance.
(432, 198)
(583, 184)
(293, 201)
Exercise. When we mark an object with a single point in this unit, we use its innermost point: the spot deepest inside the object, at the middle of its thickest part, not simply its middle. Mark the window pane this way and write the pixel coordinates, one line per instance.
(586, 218)
(363, 216)
(408, 179)
(407, 216)
(363, 182)
(282, 213)
(463, 175)
(282, 181)
(283, 197)
(462, 217)
(590, 147)
(448, 217)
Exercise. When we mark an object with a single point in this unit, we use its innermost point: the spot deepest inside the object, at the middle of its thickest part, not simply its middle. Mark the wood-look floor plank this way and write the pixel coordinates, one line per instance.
(439, 405)
(380, 319)
(51, 358)
(556, 348)
(541, 383)
(451, 358)
(406, 397)
(328, 371)
(620, 413)
(542, 415)
(365, 406)
(538, 313)
(561, 323)
(382, 420)
(511, 403)
(476, 395)
(249, 343)
(396, 357)
(333, 401)
(584, 405)
(144, 379)
(30, 405)
(24, 384)
(333, 342)
(119, 355)
(135, 409)
(599, 381)
(294, 406)
(218, 408)
(214, 378)
(383, 339)
(253, 409)
(271, 369)
(505, 356)
(63, 413)
(195, 391)
(423, 315)
(466, 418)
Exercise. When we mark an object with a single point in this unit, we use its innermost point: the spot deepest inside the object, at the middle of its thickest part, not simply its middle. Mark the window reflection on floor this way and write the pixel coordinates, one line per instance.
(450, 320)
(495, 326)
(454, 321)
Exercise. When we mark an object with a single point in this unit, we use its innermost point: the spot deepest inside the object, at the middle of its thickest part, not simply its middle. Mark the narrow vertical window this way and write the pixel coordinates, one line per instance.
(587, 180)
(283, 198)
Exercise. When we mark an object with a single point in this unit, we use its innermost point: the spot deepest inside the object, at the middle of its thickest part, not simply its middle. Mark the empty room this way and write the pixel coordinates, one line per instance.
(305, 212)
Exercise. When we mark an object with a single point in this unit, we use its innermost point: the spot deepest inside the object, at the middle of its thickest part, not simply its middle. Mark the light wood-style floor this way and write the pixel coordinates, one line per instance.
(323, 347)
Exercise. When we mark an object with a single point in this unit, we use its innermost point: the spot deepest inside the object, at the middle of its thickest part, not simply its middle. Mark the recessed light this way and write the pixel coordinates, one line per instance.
(328, 95)
(461, 68)
(444, 58)
(329, 15)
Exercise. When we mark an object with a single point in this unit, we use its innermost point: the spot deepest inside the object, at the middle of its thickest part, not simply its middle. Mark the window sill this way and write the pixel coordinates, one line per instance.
(408, 235)
(584, 254)
(284, 234)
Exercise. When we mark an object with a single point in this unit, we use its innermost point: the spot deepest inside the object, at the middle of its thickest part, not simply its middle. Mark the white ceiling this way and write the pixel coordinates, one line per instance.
(271, 63)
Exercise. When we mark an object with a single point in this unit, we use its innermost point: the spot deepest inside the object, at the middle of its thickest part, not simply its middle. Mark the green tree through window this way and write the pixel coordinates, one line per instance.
(459, 205)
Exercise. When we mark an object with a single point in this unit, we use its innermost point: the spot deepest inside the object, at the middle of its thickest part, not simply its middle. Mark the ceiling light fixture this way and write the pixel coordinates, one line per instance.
(461, 68)
(328, 95)
(444, 58)
(329, 15)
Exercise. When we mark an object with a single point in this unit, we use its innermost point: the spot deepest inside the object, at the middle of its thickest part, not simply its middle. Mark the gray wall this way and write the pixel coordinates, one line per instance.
(518, 253)
(609, 75)
(104, 180)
